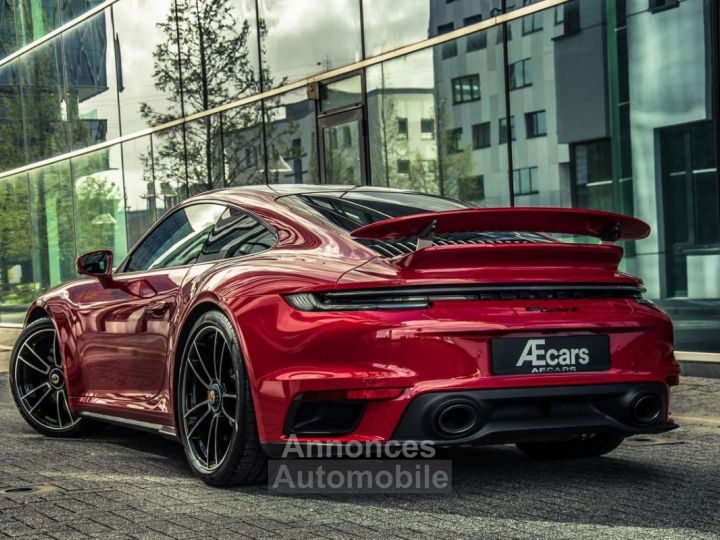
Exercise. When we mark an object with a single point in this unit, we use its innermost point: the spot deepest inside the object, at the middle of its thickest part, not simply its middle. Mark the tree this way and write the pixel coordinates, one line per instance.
(97, 201)
(215, 58)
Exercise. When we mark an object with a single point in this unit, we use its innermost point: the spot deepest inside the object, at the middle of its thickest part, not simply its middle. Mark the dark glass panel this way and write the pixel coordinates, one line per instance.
(99, 202)
(421, 88)
(8, 28)
(16, 269)
(53, 234)
(304, 37)
(12, 135)
(71, 9)
(148, 66)
(35, 18)
(219, 52)
(169, 171)
(342, 93)
(290, 139)
(44, 101)
(243, 146)
(92, 106)
(204, 151)
(140, 199)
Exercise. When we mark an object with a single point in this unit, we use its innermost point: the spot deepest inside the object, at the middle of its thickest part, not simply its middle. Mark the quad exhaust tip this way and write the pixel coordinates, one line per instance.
(456, 419)
(646, 408)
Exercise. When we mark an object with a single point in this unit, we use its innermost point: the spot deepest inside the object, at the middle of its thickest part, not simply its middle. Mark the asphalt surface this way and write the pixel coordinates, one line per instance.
(124, 484)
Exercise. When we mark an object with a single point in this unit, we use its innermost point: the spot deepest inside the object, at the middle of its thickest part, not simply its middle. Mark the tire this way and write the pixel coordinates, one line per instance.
(37, 383)
(214, 407)
(585, 446)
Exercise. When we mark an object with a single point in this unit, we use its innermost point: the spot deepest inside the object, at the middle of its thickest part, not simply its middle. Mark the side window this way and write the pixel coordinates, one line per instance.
(234, 235)
(178, 239)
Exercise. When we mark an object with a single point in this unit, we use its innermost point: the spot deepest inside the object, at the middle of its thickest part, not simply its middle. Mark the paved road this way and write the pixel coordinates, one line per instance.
(122, 484)
(4, 358)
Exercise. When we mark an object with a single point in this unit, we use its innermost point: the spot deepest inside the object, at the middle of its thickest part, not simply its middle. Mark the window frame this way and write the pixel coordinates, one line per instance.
(456, 83)
(508, 134)
(403, 127)
(531, 120)
(532, 176)
(121, 271)
(251, 216)
(478, 128)
(513, 70)
(427, 135)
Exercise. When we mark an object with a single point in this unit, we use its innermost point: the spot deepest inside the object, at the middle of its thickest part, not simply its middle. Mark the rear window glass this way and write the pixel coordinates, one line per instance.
(353, 210)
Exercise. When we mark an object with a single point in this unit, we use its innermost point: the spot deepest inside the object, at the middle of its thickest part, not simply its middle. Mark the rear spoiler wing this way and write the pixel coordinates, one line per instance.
(607, 226)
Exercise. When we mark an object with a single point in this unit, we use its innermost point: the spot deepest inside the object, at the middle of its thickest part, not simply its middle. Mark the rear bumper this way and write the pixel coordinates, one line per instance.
(512, 415)
(521, 414)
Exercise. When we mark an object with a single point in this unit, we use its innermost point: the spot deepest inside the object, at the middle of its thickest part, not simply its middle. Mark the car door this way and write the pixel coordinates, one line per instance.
(125, 326)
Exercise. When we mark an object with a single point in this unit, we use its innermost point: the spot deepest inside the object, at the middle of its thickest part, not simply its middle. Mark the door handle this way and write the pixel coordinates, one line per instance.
(158, 309)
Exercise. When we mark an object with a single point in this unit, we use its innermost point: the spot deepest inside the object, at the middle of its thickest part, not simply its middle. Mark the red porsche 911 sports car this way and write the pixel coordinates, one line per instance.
(247, 317)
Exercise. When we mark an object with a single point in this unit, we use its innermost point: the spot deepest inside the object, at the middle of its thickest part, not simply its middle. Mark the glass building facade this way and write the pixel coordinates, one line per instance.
(113, 112)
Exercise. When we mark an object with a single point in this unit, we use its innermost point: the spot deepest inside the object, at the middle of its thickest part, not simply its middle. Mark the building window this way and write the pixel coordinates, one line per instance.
(661, 5)
(481, 135)
(591, 170)
(427, 128)
(466, 89)
(429, 168)
(477, 41)
(569, 16)
(520, 74)
(525, 181)
(472, 188)
(535, 123)
(347, 137)
(531, 23)
(403, 166)
(402, 127)
(448, 49)
(454, 137)
(504, 129)
(505, 28)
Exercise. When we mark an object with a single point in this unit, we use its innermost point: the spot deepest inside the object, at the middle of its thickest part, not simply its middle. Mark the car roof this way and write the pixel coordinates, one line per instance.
(271, 192)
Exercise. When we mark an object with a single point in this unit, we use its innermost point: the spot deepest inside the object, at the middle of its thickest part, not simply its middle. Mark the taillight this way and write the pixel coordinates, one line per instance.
(326, 302)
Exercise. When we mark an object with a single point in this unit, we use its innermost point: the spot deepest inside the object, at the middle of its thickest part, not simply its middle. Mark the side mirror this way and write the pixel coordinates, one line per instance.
(96, 264)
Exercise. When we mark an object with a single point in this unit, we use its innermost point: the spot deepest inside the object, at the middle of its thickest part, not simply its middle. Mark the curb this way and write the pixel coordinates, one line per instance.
(694, 368)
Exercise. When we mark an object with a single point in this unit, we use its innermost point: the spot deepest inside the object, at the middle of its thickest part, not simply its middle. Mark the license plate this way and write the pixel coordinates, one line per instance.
(561, 354)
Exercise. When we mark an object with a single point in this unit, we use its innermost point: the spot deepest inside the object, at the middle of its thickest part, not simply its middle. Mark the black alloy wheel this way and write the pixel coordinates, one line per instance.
(214, 406)
(37, 382)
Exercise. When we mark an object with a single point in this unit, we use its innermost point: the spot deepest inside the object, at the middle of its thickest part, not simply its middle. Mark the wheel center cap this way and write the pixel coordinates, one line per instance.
(214, 397)
(56, 379)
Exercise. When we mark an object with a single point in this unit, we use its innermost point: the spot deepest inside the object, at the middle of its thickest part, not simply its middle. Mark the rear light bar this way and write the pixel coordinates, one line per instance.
(396, 298)
(321, 302)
